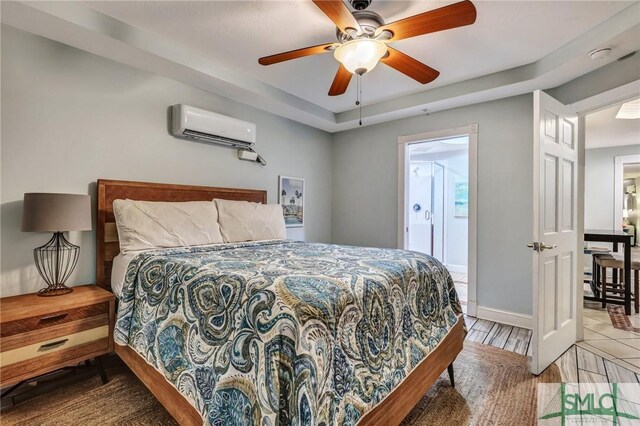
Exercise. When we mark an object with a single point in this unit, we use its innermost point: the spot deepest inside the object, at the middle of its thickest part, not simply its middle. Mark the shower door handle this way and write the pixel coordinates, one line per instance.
(427, 215)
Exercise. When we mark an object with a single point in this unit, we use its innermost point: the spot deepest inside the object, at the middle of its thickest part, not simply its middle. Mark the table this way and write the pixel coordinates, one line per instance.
(44, 334)
(615, 237)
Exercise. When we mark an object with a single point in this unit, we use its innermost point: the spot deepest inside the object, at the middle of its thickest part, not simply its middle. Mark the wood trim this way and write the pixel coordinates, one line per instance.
(395, 407)
(100, 240)
(34, 367)
(176, 404)
(110, 232)
(42, 335)
(109, 190)
(112, 322)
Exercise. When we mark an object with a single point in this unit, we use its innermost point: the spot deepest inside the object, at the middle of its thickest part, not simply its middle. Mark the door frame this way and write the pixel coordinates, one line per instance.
(582, 108)
(471, 131)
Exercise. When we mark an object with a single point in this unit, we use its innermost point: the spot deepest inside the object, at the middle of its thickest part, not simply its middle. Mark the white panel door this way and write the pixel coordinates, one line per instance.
(555, 245)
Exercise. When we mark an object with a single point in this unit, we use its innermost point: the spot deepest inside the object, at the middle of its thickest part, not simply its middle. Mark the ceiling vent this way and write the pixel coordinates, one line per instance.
(600, 53)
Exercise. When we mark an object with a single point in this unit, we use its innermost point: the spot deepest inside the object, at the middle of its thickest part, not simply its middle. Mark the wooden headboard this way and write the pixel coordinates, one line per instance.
(109, 190)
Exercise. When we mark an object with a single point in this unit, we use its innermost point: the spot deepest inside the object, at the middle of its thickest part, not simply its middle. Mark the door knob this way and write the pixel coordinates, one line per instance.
(536, 246)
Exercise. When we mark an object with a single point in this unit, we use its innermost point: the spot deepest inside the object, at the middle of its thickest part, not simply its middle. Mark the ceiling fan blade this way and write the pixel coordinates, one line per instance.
(447, 17)
(293, 54)
(338, 12)
(340, 82)
(409, 66)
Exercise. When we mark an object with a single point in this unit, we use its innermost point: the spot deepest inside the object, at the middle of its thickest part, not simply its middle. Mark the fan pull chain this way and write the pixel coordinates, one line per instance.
(359, 96)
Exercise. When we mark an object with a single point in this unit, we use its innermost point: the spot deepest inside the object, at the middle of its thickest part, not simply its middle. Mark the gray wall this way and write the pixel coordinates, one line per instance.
(599, 185)
(69, 118)
(365, 191)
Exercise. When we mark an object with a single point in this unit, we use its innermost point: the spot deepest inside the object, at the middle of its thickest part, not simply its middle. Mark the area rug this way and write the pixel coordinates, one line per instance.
(619, 320)
(493, 386)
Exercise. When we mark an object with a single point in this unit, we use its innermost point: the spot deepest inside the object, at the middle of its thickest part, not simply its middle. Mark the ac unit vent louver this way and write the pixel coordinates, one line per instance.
(197, 124)
(192, 134)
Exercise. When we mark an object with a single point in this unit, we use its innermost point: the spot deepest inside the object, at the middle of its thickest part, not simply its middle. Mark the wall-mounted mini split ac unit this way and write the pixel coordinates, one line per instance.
(197, 124)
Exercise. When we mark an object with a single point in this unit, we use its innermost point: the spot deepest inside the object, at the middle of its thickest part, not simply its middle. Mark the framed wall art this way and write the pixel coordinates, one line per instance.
(291, 196)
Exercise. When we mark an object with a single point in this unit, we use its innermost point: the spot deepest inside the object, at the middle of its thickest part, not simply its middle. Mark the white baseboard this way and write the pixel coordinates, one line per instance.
(457, 268)
(504, 317)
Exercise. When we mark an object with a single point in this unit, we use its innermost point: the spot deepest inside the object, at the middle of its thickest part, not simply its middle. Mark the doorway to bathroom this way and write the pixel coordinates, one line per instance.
(435, 204)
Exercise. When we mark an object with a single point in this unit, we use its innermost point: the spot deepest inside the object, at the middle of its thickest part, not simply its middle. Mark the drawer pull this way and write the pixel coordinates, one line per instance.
(53, 317)
(52, 345)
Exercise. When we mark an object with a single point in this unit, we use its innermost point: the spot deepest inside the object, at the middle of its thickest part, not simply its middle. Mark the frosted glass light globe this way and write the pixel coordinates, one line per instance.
(360, 56)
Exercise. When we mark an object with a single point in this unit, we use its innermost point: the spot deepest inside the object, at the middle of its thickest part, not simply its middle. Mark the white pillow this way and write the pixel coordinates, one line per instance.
(154, 224)
(246, 221)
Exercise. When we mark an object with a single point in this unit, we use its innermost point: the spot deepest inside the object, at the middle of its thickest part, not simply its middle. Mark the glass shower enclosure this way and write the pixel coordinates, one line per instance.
(427, 208)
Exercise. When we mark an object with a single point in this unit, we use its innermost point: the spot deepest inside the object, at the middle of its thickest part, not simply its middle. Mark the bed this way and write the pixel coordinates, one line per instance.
(298, 334)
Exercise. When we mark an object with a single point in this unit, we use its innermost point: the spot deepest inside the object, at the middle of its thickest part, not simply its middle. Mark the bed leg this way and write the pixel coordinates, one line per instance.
(100, 367)
(450, 371)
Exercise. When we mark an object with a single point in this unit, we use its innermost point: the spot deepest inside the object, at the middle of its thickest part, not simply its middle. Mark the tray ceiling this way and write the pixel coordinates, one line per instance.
(513, 48)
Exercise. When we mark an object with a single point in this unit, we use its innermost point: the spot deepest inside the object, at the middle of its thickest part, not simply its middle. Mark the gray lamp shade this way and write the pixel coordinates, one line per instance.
(47, 212)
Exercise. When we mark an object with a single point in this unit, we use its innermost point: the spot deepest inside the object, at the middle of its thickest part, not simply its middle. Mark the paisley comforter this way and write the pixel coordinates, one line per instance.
(285, 332)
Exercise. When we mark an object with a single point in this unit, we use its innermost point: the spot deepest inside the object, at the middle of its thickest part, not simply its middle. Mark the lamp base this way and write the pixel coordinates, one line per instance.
(55, 262)
(54, 290)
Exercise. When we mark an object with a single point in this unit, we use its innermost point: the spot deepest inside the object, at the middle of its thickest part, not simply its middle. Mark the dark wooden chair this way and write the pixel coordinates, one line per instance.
(615, 290)
(593, 280)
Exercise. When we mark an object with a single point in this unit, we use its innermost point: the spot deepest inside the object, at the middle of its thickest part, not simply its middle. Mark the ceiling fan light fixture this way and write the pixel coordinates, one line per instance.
(360, 56)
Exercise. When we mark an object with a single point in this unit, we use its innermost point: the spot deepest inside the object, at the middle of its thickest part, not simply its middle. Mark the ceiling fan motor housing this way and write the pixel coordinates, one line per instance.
(368, 20)
(360, 4)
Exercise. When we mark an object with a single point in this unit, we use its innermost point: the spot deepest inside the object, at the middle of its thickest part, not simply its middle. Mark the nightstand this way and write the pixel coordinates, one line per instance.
(42, 334)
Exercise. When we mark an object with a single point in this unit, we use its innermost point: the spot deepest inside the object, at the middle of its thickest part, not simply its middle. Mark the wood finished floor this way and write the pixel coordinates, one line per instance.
(577, 365)
(507, 337)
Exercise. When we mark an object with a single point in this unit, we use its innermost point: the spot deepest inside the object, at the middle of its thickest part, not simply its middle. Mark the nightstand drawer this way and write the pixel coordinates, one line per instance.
(22, 361)
(46, 347)
(52, 332)
(52, 319)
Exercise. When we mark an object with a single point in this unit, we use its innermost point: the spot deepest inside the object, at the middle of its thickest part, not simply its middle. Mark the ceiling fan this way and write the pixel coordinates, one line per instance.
(363, 37)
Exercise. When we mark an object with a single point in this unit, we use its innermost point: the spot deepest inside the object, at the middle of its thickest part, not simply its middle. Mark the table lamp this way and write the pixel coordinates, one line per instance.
(57, 213)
